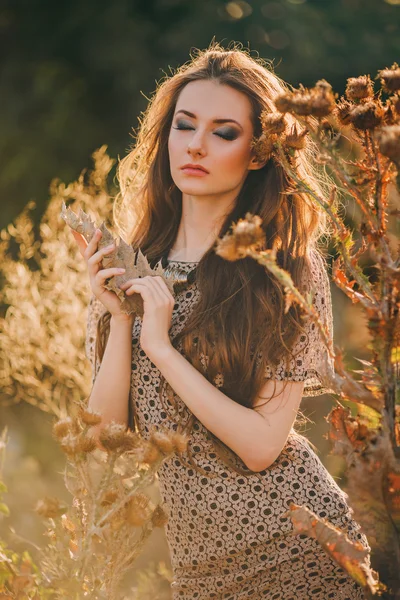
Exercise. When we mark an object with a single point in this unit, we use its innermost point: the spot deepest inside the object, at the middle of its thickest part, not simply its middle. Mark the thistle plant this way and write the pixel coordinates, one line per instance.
(95, 541)
(369, 440)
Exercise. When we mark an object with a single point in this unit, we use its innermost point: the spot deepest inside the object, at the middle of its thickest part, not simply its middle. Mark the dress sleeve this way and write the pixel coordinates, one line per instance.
(95, 310)
(312, 363)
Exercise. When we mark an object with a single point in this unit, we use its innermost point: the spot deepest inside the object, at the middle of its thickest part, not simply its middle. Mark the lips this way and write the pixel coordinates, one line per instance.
(194, 167)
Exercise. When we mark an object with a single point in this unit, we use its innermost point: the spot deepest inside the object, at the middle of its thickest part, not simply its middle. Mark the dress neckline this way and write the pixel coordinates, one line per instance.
(184, 262)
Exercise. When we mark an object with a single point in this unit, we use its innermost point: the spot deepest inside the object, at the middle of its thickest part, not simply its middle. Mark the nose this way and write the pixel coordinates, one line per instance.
(195, 146)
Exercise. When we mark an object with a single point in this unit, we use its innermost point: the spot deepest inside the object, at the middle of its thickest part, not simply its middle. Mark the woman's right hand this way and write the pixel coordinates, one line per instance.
(98, 275)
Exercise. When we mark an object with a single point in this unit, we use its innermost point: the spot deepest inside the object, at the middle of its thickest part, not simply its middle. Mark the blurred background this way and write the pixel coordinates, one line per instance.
(76, 75)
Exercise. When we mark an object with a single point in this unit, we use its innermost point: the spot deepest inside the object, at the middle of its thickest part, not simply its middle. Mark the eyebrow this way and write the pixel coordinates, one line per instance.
(189, 114)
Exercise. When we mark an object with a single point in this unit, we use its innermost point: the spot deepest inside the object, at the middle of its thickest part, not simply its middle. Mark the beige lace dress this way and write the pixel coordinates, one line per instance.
(226, 533)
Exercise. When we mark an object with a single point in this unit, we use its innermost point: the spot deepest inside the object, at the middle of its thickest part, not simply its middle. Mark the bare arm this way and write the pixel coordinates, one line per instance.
(256, 436)
(110, 392)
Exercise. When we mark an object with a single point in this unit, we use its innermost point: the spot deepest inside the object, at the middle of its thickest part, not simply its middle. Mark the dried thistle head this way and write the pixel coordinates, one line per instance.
(391, 115)
(131, 441)
(359, 88)
(388, 138)
(86, 444)
(109, 497)
(395, 103)
(343, 111)
(139, 509)
(163, 441)
(390, 78)
(89, 417)
(273, 130)
(295, 139)
(367, 115)
(159, 517)
(247, 235)
(50, 507)
(262, 147)
(113, 437)
(180, 441)
(65, 426)
(272, 123)
(70, 445)
(149, 453)
(318, 102)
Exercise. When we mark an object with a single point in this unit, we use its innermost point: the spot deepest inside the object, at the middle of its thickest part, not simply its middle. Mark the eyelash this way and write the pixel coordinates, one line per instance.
(224, 137)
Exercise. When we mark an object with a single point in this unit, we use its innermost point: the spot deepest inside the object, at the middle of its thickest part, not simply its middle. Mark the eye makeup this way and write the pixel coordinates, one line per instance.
(227, 133)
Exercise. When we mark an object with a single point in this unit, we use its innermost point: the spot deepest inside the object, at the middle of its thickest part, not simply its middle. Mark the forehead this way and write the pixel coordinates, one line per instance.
(212, 100)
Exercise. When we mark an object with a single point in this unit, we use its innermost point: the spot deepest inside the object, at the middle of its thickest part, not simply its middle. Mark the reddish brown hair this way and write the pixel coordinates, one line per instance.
(238, 299)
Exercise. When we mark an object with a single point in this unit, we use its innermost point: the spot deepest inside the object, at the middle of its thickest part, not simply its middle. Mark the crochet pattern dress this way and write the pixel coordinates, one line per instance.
(226, 536)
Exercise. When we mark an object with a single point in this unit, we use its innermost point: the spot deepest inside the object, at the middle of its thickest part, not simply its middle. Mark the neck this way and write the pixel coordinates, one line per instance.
(199, 226)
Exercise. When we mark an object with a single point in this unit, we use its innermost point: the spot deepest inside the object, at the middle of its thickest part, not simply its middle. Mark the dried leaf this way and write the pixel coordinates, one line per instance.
(347, 433)
(351, 556)
(135, 263)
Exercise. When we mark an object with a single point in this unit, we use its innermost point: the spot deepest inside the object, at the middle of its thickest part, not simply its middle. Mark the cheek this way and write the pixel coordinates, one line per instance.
(234, 158)
(174, 148)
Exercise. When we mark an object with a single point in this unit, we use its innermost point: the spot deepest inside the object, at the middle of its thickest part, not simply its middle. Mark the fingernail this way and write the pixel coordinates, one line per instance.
(110, 247)
(121, 270)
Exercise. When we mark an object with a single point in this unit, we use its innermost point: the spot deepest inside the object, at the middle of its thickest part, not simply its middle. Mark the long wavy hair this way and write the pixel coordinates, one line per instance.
(239, 322)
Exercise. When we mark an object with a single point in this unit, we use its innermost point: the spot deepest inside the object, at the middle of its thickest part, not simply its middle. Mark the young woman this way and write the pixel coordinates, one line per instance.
(222, 358)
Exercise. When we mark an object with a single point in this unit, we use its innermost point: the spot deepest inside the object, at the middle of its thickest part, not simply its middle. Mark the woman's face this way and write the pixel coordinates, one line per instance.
(223, 148)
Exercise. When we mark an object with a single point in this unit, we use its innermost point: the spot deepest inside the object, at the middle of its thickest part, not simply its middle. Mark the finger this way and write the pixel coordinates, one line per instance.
(104, 274)
(144, 290)
(159, 281)
(80, 240)
(145, 282)
(98, 256)
(92, 245)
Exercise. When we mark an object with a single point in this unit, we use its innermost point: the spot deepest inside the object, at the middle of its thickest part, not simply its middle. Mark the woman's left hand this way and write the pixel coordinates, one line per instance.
(158, 304)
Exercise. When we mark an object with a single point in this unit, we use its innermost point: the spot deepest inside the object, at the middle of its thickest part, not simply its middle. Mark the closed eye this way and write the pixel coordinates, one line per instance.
(227, 136)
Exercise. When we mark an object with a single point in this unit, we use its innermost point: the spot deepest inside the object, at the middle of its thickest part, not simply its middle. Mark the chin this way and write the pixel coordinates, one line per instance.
(194, 190)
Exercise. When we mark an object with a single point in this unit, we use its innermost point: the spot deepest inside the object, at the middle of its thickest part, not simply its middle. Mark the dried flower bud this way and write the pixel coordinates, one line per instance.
(390, 117)
(180, 441)
(295, 139)
(389, 142)
(262, 147)
(113, 437)
(318, 102)
(65, 426)
(86, 444)
(89, 417)
(367, 115)
(50, 508)
(163, 441)
(109, 497)
(272, 123)
(131, 441)
(343, 111)
(70, 445)
(395, 102)
(148, 453)
(390, 78)
(247, 235)
(139, 509)
(359, 88)
(159, 517)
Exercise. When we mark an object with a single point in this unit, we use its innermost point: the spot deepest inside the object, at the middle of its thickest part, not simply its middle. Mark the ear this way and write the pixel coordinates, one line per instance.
(255, 164)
